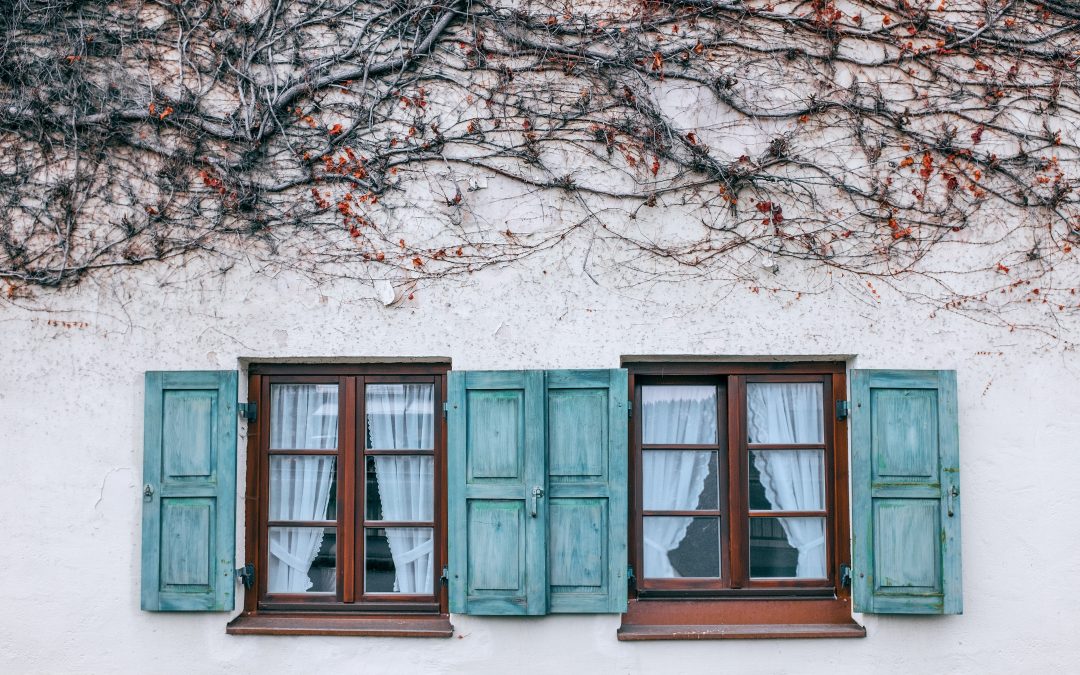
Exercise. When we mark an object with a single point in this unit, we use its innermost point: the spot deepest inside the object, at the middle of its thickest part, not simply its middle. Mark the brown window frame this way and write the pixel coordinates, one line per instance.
(350, 611)
(736, 605)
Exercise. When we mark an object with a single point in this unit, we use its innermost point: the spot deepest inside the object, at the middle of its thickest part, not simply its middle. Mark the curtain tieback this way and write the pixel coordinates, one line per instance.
(282, 553)
(652, 544)
(414, 553)
(820, 541)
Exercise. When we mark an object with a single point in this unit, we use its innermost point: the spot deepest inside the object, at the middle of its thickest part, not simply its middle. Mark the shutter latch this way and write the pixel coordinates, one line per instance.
(246, 575)
(842, 410)
(445, 578)
(845, 575)
(249, 411)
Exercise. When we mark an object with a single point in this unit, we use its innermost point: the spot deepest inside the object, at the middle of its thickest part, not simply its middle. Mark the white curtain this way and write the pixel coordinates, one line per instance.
(673, 480)
(403, 417)
(783, 413)
(301, 417)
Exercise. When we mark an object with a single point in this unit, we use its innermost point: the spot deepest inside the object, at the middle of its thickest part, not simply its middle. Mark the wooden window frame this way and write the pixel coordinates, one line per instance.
(736, 605)
(350, 611)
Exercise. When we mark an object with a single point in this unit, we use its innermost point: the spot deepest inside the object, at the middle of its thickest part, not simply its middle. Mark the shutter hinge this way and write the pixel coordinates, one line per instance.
(842, 410)
(845, 575)
(249, 411)
(629, 409)
(246, 574)
(631, 580)
(445, 409)
(445, 578)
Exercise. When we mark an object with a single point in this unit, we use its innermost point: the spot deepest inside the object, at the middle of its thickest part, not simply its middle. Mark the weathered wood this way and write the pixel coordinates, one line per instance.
(189, 470)
(587, 483)
(905, 463)
(495, 458)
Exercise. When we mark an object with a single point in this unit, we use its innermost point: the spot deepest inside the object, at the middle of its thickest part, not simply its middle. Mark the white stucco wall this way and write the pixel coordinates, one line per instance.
(71, 461)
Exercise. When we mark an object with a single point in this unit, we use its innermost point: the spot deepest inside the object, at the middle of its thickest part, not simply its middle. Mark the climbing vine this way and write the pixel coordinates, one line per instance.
(925, 145)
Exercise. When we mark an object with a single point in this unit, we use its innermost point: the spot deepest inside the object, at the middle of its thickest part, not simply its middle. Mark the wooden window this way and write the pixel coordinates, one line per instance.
(346, 517)
(739, 522)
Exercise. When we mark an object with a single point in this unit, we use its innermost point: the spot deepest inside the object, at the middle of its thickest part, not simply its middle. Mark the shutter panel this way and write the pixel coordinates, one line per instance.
(189, 498)
(496, 459)
(586, 499)
(905, 477)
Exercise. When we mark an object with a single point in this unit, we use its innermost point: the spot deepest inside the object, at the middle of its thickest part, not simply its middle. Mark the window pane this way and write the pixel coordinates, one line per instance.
(787, 547)
(303, 416)
(302, 560)
(303, 487)
(787, 480)
(784, 412)
(399, 560)
(400, 488)
(681, 547)
(400, 416)
(678, 414)
(679, 480)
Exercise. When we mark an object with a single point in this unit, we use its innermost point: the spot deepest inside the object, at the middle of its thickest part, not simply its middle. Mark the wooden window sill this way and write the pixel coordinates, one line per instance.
(729, 619)
(430, 626)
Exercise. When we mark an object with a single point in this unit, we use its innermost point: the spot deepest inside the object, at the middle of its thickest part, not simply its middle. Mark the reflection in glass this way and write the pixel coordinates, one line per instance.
(679, 480)
(303, 487)
(784, 412)
(787, 480)
(678, 414)
(787, 547)
(399, 560)
(681, 547)
(302, 560)
(400, 416)
(303, 416)
(400, 488)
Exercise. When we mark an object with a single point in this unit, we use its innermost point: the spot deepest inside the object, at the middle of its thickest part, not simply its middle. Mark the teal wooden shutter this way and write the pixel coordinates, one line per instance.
(537, 491)
(189, 492)
(905, 479)
(587, 511)
(496, 460)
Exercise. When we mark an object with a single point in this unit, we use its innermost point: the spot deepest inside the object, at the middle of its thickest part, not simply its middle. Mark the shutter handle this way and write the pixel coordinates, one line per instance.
(953, 492)
(537, 493)
(148, 492)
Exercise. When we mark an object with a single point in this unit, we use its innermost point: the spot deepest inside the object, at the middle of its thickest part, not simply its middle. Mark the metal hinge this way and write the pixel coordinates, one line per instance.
(445, 578)
(629, 409)
(249, 411)
(842, 410)
(246, 574)
(845, 575)
(631, 580)
(445, 409)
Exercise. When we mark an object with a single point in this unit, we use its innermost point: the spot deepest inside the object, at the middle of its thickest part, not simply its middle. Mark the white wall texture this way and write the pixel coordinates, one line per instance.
(71, 461)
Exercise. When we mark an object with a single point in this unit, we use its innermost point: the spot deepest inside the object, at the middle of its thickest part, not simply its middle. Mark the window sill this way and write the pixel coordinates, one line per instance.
(738, 619)
(431, 626)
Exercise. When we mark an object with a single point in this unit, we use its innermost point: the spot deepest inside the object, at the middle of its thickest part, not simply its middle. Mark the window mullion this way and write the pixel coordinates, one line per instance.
(347, 483)
(736, 482)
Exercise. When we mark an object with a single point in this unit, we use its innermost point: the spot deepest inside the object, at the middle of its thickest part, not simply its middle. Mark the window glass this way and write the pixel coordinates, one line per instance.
(681, 547)
(303, 487)
(787, 547)
(787, 480)
(679, 480)
(302, 560)
(678, 415)
(400, 416)
(399, 560)
(784, 412)
(303, 416)
(400, 488)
